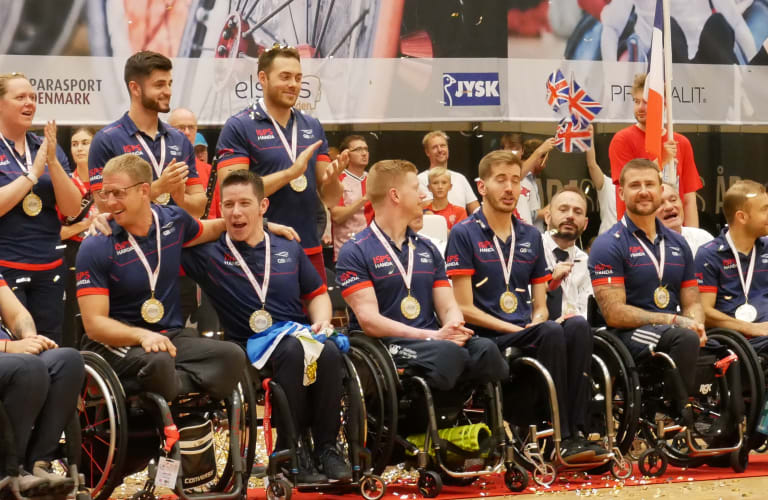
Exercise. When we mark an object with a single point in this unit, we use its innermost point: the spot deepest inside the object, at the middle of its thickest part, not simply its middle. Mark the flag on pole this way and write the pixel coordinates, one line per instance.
(653, 93)
(572, 137)
(557, 90)
(583, 108)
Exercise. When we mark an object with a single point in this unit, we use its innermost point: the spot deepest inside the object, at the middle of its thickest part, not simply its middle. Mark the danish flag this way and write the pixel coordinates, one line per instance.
(557, 90)
(572, 137)
(581, 106)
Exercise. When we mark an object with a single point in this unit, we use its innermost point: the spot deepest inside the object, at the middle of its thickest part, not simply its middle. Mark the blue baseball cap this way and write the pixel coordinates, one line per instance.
(200, 140)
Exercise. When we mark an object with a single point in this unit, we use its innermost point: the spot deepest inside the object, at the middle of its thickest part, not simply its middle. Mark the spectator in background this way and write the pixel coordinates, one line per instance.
(606, 191)
(354, 211)
(535, 153)
(439, 186)
(671, 212)
(436, 148)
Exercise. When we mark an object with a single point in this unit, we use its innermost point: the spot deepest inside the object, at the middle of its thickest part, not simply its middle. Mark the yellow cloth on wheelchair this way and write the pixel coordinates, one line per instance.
(470, 438)
(261, 345)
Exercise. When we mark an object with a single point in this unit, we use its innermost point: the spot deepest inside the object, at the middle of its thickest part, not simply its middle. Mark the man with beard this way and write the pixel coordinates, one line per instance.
(738, 300)
(139, 131)
(287, 148)
(629, 143)
(568, 292)
(493, 258)
(394, 281)
(670, 213)
(642, 272)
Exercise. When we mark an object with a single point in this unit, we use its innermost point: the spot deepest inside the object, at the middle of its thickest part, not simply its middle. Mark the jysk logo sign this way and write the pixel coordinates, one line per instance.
(471, 89)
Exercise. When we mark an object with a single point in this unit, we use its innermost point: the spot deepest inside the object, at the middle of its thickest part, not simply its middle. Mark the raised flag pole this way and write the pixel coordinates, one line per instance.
(670, 169)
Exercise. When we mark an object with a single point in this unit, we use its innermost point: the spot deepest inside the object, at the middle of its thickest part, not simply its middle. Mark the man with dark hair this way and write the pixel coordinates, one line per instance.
(733, 269)
(629, 143)
(139, 131)
(127, 288)
(643, 272)
(493, 258)
(354, 212)
(534, 156)
(286, 147)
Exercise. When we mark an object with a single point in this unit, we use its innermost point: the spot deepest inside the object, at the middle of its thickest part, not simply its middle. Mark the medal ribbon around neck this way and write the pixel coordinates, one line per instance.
(153, 275)
(745, 284)
(658, 264)
(27, 155)
(290, 149)
(157, 166)
(261, 291)
(405, 275)
(506, 267)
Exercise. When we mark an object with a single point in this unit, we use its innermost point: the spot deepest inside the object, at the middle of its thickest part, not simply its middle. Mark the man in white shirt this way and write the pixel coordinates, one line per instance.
(606, 191)
(670, 213)
(534, 158)
(568, 292)
(461, 194)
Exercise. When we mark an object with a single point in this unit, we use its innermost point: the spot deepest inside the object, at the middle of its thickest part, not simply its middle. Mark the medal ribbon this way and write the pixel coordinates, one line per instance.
(745, 284)
(27, 156)
(506, 267)
(658, 264)
(261, 291)
(290, 149)
(405, 275)
(153, 275)
(157, 166)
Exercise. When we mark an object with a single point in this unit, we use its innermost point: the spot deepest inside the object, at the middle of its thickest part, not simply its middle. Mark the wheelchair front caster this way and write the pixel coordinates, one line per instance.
(621, 468)
(279, 490)
(544, 474)
(516, 478)
(372, 487)
(430, 484)
(739, 459)
(652, 463)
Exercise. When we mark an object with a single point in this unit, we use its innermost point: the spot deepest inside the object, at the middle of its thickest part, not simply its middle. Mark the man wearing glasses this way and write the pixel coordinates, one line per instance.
(354, 211)
(287, 148)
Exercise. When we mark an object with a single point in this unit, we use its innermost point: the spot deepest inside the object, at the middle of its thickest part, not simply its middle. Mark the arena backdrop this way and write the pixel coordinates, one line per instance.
(391, 60)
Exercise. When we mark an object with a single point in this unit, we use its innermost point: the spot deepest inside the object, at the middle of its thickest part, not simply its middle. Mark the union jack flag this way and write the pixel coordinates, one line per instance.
(557, 90)
(580, 105)
(572, 137)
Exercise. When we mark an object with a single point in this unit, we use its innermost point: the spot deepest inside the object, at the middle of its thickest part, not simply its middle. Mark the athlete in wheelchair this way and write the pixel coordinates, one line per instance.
(644, 282)
(39, 384)
(261, 285)
(394, 281)
(493, 258)
(141, 358)
(732, 284)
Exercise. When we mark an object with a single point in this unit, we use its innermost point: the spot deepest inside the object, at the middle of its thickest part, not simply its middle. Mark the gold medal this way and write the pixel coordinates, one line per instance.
(661, 297)
(299, 184)
(32, 205)
(163, 199)
(260, 320)
(152, 310)
(508, 302)
(410, 307)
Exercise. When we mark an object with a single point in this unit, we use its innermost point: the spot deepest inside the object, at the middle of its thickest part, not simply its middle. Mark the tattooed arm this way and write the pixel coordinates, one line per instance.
(612, 299)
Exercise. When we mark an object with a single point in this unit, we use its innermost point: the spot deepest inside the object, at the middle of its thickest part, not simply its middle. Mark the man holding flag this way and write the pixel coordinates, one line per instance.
(646, 138)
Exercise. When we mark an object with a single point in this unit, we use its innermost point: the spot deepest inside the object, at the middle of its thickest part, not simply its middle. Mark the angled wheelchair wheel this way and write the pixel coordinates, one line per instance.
(378, 384)
(104, 427)
(353, 429)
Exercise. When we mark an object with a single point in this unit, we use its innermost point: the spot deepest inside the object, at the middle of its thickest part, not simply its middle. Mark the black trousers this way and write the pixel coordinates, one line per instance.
(317, 406)
(215, 366)
(565, 350)
(40, 392)
(42, 293)
(444, 363)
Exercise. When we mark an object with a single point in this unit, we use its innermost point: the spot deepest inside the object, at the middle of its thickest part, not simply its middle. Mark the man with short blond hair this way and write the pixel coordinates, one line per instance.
(436, 148)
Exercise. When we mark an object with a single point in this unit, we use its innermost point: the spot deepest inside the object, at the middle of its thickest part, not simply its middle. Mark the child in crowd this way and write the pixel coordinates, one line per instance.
(439, 186)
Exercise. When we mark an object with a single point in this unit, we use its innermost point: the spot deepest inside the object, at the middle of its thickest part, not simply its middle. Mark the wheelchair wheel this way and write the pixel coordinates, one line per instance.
(652, 463)
(740, 459)
(372, 487)
(352, 432)
(279, 490)
(104, 429)
(430, 483)
(379, 388)
(516, 478)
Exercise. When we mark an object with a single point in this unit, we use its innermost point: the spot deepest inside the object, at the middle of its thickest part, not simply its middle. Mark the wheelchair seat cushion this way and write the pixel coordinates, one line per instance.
(187, 385)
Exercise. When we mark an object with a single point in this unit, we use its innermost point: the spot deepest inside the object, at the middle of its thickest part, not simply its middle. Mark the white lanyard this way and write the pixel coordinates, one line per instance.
(290, 149)
(158, 167)
(750, 271)
(261, 291)
(662, 252)
(506, 267)
(405, 275)
(27, 156)
(153, 275)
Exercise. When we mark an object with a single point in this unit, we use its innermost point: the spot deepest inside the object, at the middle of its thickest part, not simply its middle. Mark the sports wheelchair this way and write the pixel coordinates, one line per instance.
(400, 405)
(282, 466)
(125, 429)
(713, 426)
